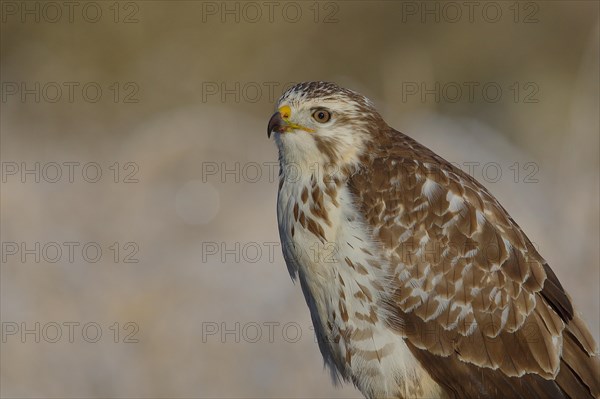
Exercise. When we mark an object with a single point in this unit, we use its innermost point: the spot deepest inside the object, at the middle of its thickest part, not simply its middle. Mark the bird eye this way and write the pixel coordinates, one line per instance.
(321, 115)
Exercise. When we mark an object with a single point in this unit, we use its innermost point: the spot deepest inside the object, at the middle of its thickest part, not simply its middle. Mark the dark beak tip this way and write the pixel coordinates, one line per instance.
(275, 124)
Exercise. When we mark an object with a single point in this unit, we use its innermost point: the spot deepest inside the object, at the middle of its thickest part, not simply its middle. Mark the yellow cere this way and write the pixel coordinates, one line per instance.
(286, 113)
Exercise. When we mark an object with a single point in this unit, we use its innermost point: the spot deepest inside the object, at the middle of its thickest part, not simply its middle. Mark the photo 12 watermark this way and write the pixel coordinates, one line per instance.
(470, 92)
(237, 92)
(53, 332)
(71, 12)
(265, 251)
(69, 172)
(70, 92)
(431, 252)
(253, 12)
(252, 331)
(69, 252)
(250, 172)
(451, 12)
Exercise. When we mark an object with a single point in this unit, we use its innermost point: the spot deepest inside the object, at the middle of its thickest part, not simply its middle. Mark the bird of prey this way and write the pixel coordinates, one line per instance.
(419, 283)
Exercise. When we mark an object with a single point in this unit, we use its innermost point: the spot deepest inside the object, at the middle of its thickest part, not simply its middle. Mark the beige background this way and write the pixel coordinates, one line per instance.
(174, 54)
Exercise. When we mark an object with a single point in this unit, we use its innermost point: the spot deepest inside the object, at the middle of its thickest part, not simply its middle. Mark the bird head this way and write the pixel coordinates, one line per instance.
(322, 122)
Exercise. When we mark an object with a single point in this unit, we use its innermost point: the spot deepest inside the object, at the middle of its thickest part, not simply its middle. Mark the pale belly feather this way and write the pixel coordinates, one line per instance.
(343, 277)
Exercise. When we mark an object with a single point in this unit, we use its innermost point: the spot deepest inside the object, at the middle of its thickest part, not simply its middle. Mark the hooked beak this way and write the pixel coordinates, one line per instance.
(276, 123)
(279, 123)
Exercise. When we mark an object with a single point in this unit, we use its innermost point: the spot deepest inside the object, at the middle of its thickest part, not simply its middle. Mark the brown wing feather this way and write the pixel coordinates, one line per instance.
(466, 284)
(577, 377)
(464, 380)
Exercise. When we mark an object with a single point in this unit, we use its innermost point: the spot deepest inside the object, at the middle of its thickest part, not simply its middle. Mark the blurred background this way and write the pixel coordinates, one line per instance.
(140, 253)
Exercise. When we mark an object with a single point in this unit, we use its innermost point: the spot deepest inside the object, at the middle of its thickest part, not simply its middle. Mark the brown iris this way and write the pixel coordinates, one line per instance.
(321, 115)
